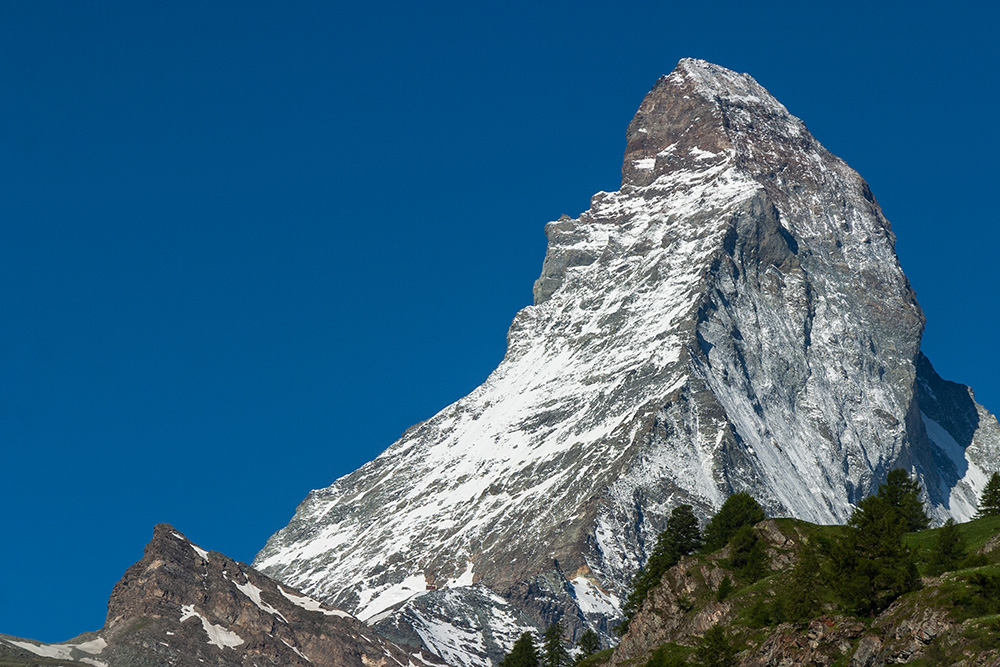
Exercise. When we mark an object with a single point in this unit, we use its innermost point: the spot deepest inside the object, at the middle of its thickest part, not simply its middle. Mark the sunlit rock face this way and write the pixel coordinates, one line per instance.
(734, 318)
(185, 606)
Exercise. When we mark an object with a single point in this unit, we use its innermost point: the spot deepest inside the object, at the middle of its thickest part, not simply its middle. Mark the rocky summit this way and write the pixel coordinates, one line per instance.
(733, 318)
(182, 605)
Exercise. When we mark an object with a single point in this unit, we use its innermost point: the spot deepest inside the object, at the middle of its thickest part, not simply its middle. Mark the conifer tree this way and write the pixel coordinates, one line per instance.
(989, 502)
(748, 554)
(739, 510)
(800, 600)
(523, 654)
(554, 654)
(588, 643)
(724, 589)
(949, 549)
(903, 493)
(680, 538)
(873, 565)
(715, 649)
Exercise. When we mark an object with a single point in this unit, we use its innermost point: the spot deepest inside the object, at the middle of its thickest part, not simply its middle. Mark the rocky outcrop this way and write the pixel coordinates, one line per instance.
(182, 605)
(931, 623)
(684, 604)
(734, 318)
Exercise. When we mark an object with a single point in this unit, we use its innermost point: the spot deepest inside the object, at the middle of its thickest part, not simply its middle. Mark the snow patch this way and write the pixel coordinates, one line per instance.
(645, 163)
(309, 604)
(464, 579)
(592, 600)
(963, 500)
(297, 651)
(217, 635)
(388, 598)
(64, 651)
(252, 592)
(700, 154)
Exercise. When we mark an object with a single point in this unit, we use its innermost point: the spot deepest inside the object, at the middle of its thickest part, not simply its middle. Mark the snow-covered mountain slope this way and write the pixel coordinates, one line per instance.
(733, 318)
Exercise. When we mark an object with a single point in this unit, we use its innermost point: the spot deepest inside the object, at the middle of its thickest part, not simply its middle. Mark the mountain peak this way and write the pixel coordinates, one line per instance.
(734, 318)
(715, 82)
(702, 114)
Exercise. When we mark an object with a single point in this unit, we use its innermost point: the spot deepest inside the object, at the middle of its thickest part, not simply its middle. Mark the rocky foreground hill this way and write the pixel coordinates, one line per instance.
(950, 620)
(185, 606)
(733, 318)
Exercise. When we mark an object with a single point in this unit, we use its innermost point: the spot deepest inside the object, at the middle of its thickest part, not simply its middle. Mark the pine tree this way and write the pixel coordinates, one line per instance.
(800, 599)
(588, 643)
(680, 538)
(524, 653)
(989, 502)
(949, 549)
(873, 566)
(739, 510)
(715, 649)
(903, 493)
(554, 654)
(748, 554)
(724, 589)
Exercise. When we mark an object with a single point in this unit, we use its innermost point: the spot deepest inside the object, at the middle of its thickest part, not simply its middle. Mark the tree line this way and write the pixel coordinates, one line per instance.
(867, 566)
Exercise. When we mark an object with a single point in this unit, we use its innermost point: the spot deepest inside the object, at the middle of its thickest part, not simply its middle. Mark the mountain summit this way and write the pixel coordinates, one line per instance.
(734, 318)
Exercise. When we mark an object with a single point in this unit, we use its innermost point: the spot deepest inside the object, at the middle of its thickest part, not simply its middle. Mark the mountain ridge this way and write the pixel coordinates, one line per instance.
(184, 605)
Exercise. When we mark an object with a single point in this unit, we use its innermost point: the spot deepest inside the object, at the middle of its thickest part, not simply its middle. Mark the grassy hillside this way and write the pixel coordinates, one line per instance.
(951, 619)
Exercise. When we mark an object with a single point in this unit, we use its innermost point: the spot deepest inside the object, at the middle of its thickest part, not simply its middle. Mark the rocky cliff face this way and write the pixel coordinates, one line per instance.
(733, 318)
(182, 605)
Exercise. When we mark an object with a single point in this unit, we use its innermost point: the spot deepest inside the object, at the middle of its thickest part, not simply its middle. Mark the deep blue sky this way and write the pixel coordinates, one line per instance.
(243, 246)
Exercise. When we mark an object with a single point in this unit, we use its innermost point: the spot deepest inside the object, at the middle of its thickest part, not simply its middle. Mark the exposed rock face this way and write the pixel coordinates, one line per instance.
(181, 605)
(733, 318)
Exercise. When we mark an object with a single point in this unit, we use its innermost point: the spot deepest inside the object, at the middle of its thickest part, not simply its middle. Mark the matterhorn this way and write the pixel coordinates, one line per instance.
(733, 318)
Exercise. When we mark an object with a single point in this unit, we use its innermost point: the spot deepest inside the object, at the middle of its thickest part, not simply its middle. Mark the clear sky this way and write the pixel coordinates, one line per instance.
(243, 246)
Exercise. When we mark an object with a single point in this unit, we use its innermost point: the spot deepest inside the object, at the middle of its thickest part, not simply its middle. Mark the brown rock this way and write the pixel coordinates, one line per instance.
(181, 605)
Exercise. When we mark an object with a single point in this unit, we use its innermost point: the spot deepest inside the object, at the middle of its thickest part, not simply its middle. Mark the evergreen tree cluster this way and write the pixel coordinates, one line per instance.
(873, 565)
(524, 653)
(552, 652)
(902, 493)
(949, 549)
(681, 537)
(863, 569)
